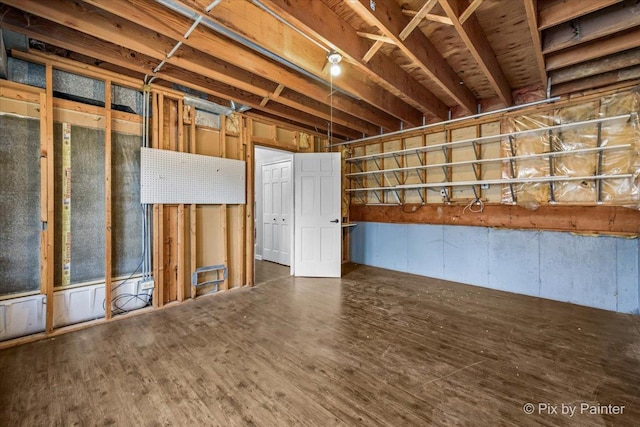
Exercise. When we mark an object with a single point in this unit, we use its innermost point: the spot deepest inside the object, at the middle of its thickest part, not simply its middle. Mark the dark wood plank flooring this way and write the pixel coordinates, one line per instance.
(266, 271)
(373, 348)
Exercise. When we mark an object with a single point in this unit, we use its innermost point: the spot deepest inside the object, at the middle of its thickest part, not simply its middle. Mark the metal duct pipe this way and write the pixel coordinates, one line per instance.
(208, 106)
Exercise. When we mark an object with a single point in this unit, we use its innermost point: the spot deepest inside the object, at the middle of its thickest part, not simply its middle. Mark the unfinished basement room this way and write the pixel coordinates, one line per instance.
(319, 212)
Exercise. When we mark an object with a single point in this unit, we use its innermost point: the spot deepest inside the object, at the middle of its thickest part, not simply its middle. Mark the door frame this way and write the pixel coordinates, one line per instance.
(257, 214)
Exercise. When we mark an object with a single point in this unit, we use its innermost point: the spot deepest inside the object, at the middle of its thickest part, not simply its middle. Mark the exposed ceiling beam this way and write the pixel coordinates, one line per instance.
(388, 17)
(597, 81)
(595, 49)
(317, 19)
(224, 15)
(476, 41)
(429, 17)
(531, 8)
(625, 59)
(469, 10)
(164, 22)
(554, 12)
(594, 26)
(417, 18)
(66, 38)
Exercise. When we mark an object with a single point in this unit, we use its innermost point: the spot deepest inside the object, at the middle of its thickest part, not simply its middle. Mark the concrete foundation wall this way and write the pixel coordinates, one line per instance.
(595, 271)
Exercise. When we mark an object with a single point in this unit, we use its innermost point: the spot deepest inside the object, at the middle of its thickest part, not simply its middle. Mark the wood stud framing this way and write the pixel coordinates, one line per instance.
(107, 200)
(48, 107)
(241, 259)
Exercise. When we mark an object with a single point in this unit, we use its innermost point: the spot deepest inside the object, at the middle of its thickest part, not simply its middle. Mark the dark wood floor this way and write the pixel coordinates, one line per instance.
(373, 348)
(266, 271)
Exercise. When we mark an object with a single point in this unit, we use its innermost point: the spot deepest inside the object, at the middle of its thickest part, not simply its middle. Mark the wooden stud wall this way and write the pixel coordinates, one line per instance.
(185, 237)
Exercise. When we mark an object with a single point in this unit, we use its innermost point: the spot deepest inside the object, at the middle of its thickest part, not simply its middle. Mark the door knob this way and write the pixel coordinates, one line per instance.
(336, 221)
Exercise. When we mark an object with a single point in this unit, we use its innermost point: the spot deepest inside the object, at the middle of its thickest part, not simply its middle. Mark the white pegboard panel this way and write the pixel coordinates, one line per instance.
(170, 177)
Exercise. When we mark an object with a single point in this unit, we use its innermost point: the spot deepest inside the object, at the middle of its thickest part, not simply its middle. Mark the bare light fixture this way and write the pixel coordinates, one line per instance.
(334, 58)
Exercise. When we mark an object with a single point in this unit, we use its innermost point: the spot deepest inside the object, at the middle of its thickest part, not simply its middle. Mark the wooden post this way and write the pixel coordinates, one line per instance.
(50, 192)
(223, 208)
(158, 238)
(192, 207)
(44, 194)
(107, 199)
(250, 226)
(156, 256)
(243, 212)
(181, 223)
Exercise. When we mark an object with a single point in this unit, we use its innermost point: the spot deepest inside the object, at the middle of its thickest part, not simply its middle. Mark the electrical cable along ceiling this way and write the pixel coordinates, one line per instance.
(404, 63)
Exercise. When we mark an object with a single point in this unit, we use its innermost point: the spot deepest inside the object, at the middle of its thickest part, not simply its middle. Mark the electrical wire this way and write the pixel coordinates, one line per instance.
(473, 203)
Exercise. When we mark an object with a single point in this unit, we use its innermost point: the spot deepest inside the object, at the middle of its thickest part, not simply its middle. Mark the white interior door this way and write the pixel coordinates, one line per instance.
(276, 212)
(318, 229)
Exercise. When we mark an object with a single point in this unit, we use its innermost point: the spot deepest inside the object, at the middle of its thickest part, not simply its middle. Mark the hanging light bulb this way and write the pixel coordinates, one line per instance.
(335, 70)
(334, 58)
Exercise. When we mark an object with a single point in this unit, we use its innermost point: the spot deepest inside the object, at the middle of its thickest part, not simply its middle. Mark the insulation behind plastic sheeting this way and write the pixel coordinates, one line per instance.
(126, 211)
(529, 195)
(20, 204)
(609, 162)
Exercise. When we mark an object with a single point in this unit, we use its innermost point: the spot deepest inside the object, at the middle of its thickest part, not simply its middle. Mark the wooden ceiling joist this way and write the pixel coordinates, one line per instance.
(84, 44)
(626, 59)
(531, 8)
(163, 21)
(316, 18)
(591, 27)
(476, 41)
(597, 81)
(388, 17)
(239, 22)
(554, 12)
(593, 50)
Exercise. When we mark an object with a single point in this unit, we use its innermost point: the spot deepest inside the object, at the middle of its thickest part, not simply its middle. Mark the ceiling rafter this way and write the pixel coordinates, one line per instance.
(161, 20)
(597, 81)
(593, 50)
(554, 12)
(390, 20)
(70, 39)
(374, 95)
(531, 8)
(591, 27)
(317, 19)
(476, 41)
(597, 66)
